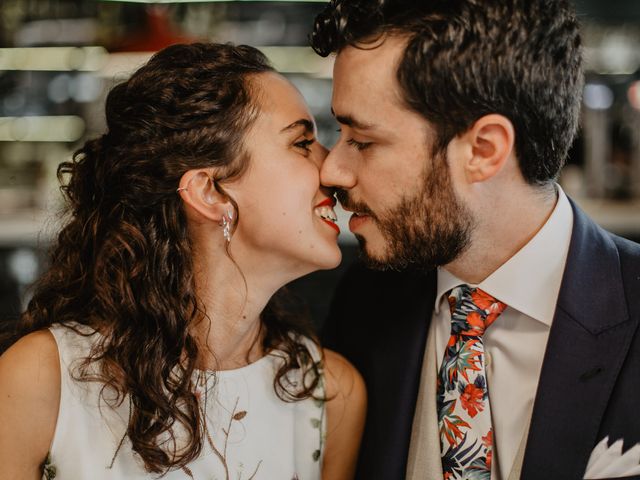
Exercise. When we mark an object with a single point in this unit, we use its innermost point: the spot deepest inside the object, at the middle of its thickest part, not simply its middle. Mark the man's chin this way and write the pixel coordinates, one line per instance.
(372, 258)
(385, 258)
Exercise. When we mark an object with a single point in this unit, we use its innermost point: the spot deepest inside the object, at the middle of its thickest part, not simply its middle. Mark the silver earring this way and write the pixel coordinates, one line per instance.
(227, 222)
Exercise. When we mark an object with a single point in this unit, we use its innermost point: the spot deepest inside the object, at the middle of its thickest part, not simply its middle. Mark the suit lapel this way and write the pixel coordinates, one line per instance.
(393, 386)
(424, 452)
(588, 342)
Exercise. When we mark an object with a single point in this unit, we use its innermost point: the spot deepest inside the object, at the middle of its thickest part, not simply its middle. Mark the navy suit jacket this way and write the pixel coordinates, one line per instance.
(590, 380)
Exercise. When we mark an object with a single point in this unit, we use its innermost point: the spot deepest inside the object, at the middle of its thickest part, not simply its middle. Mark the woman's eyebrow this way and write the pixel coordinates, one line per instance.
(305, 122)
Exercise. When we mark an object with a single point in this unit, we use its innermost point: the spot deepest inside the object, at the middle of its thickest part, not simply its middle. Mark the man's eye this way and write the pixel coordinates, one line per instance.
(359, 145)
(305, 144)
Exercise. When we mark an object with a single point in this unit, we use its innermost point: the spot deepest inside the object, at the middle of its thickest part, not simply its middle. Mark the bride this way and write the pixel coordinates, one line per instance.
(156, 343)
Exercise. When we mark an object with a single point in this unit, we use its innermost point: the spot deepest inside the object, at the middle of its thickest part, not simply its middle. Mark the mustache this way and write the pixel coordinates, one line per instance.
(350, 204)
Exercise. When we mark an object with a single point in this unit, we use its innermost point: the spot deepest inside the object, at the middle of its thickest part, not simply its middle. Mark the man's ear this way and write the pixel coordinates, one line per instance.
(198, 191)
(491, 140)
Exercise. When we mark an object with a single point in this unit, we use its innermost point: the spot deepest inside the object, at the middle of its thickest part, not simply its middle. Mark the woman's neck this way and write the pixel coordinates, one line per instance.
(230, 335)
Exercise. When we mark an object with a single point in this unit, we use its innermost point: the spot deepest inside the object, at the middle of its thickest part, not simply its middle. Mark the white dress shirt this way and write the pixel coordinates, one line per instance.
(529, 283)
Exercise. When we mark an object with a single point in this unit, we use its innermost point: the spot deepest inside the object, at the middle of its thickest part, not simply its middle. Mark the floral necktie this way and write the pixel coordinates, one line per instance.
(464, 414)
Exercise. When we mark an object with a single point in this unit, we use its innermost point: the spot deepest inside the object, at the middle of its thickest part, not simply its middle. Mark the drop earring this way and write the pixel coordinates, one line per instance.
(227, 221)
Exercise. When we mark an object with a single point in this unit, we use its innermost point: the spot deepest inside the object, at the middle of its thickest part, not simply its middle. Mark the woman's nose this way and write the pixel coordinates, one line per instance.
(320, 154)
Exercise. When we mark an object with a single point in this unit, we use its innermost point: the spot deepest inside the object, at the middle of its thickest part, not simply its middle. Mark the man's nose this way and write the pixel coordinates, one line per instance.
(336, 171)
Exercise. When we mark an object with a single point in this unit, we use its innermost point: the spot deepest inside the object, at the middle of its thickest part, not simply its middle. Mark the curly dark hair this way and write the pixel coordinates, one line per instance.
(469, 58)
(122, 264)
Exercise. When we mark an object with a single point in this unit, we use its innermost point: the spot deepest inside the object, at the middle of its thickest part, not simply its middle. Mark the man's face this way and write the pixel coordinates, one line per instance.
(385, 170)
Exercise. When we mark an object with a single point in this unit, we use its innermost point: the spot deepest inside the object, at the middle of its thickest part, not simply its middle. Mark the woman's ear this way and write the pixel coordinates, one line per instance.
(198, 191)
(492, 140)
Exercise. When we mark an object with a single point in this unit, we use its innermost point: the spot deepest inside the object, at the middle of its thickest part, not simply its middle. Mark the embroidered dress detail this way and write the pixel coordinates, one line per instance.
(318, 421)
(48, 470)
(250, 433)
(464, 413)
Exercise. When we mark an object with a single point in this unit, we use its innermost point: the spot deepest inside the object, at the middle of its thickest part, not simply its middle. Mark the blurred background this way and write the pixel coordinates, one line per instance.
(58, 59)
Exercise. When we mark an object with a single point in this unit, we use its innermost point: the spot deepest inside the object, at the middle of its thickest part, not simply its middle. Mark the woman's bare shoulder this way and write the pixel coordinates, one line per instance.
(29, 402)
(31, 360)
(342, 378)
(346, 411)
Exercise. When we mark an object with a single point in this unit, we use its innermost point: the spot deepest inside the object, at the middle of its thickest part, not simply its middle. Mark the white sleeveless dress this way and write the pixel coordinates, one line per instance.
(254, 435)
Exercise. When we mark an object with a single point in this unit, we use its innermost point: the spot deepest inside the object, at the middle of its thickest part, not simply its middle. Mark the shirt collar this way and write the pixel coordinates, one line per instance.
(530, 280)
(446, 281)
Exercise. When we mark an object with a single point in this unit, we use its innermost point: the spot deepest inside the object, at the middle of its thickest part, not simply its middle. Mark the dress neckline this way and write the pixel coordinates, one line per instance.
(243, 370)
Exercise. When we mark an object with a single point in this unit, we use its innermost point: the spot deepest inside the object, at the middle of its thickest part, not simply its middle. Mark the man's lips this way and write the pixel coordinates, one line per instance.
(361, 213)
(357, 220)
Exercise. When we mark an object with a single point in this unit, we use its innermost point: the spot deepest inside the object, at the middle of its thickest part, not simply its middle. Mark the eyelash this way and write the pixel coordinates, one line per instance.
(358, 145)
(354, 143)
(305, 144)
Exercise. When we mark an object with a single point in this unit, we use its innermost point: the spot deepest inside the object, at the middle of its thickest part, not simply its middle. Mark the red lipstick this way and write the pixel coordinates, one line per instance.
(331, 224)
(327, 202)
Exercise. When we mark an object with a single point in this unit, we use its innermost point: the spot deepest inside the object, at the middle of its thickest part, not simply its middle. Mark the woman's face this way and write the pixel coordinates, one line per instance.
(280, 201)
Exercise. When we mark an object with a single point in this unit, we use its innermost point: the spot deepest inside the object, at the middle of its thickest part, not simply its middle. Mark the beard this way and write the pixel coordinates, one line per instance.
(424, 231)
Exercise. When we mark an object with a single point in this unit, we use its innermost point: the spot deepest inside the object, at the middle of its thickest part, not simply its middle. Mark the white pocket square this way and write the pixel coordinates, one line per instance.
(609, 461)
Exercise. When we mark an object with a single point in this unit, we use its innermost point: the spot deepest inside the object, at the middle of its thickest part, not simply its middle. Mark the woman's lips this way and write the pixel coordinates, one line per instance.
(331, 224)
(327, 202)
(324, 210)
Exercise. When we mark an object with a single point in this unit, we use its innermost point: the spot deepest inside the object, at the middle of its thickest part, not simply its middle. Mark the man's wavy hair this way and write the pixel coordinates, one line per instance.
(123, 262)
(468, 58)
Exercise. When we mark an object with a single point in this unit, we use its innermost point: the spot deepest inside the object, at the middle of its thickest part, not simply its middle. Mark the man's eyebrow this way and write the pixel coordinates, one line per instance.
(308, 125)
(349, 121)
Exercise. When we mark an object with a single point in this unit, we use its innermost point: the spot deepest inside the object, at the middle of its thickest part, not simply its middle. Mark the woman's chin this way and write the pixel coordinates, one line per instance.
(331, 261)
(334, 262)
(325, 260)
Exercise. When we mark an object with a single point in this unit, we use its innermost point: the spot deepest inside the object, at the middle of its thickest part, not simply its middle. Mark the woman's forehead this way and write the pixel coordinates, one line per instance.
(280, 103)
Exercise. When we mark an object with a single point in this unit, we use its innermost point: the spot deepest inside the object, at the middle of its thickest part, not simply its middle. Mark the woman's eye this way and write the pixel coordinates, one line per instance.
(359, 145)
(305, 144)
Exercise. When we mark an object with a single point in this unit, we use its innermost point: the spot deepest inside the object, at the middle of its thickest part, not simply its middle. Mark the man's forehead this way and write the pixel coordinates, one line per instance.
(362, 71)
(387, 49)
(366, 88)
(366, 93)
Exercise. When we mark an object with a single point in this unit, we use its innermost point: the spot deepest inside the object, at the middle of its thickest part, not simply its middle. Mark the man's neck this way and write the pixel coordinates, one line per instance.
(500, 234)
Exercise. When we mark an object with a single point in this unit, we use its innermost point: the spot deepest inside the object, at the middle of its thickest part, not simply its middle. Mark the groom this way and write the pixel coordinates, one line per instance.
(495, 324)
